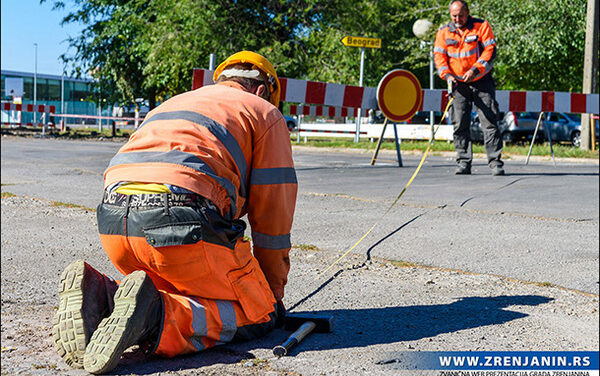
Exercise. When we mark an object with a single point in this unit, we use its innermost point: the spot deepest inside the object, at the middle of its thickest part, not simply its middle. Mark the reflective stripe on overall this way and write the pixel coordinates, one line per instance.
(213, 289)
(475, 49)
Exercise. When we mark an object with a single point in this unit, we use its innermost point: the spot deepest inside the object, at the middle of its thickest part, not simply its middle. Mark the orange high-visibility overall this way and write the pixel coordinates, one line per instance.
(455, 54)
(229, 152)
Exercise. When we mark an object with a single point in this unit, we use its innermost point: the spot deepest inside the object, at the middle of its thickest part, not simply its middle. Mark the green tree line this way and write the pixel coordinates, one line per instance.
(148, 48)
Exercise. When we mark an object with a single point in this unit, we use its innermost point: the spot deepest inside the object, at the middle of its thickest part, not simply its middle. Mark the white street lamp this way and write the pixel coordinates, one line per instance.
(420, 29)
(35, 85)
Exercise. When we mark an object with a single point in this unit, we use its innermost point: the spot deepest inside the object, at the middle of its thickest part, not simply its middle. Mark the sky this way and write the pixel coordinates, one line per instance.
(25, 22)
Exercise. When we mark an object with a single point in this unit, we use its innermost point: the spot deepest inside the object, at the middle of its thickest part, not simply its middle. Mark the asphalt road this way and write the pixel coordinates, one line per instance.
(488, 263)
(538, 223)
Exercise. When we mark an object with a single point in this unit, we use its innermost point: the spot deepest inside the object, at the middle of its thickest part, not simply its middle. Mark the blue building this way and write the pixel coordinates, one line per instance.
(68, 95)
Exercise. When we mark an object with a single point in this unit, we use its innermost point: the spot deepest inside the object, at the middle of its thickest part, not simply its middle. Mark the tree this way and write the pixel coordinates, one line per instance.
(108, 48)
(148, 48)
(540, 43)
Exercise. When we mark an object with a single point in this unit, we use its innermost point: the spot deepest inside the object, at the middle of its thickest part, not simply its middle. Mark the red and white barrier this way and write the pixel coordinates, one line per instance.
(331, 131)
(323, 111)
(98, 117)
(48, 111)
(524, 101)
(45, 110)
(309, 92)
(7, 106)
(336, 95)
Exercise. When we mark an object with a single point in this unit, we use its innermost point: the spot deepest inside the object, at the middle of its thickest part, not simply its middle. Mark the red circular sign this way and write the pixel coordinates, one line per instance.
(399, 95)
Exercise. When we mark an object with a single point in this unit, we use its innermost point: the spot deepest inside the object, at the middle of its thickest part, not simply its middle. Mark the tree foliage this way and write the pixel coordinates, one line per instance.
(541, 43)
(148, 48)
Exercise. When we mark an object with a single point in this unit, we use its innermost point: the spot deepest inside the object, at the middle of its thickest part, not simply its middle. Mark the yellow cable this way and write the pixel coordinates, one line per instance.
(400, 195)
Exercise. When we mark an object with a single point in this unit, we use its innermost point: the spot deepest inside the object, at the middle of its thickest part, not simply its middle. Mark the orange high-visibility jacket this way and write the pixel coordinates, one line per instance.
(229, 146)
(455, 54)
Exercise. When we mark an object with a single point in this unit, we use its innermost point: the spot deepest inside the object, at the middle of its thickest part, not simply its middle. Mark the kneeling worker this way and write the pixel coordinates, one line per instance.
(170, 222)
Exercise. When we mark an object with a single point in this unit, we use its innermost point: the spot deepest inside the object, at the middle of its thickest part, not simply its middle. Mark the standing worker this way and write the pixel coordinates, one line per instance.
(464, 52)
(170, 222)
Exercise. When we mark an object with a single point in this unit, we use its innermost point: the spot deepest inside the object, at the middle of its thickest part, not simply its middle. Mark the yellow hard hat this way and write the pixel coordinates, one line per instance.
(258, 62)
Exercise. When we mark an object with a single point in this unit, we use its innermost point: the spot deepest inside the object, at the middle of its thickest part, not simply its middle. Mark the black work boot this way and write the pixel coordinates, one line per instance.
(136, 319)
(86, 297)
(497, 171)
(463, 169)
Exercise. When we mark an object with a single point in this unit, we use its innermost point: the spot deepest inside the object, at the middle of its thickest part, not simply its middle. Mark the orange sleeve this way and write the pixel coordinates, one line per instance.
(271, 203)
(440, 54)
(488, 41)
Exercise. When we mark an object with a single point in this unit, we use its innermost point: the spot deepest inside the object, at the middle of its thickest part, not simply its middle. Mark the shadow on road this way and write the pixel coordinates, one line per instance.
(356, 328)
(136, 363)
(551, 173)
(364, 327)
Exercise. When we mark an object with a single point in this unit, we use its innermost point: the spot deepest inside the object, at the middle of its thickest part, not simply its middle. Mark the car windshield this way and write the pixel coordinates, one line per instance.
(574, 117)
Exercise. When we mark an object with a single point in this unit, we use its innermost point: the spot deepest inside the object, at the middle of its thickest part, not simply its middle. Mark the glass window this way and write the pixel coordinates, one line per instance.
(42, 89)
(28, 88)
(53, 90)
(80, 91)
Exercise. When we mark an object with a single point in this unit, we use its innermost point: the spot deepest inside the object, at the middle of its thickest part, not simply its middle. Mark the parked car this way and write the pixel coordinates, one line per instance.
(513, 126)
(422, 117)
(519, 126)
(376, 117)
(476, 132)
(563, 127)
(291, 122)
(516, 126)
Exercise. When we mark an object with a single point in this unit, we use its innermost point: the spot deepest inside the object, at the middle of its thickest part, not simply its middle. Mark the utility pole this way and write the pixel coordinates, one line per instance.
(360, 83)
(35, 86)
(590, 67)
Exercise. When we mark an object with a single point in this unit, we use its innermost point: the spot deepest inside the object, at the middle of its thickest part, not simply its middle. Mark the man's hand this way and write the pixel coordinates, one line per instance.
(468, 77)
(451, 81)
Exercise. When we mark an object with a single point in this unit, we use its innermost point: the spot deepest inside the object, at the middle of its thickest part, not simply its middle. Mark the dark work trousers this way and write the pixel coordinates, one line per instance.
(482, 94)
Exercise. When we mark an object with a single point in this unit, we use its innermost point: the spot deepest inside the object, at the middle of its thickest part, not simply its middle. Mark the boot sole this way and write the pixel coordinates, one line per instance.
(68, 327)
(111, 338)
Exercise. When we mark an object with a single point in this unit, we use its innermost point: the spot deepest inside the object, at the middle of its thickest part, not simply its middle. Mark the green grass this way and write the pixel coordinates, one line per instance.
(560, 151)
(55, 203)
(403, 264)
(69, 205)
(81, 132)
(306, 247)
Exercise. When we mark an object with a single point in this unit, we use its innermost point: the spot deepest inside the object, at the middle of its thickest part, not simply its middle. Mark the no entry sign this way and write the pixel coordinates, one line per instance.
(399, 95)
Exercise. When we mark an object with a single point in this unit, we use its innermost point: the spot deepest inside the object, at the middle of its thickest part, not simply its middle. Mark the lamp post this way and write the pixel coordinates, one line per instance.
(35, 83)
(420, 29)
(359, 114)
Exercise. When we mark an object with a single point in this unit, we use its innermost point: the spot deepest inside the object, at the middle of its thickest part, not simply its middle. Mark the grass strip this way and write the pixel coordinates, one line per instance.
(560, 150)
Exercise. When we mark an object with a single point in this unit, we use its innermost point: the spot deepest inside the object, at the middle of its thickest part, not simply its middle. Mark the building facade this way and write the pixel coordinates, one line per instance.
(68, 95)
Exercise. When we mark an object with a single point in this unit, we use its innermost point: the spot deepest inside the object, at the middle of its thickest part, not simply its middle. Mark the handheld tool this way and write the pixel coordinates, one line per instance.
(450, 88)
(303, 324)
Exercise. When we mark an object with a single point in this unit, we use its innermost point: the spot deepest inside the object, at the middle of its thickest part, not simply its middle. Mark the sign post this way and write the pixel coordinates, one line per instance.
(399, 96)
(362, 42)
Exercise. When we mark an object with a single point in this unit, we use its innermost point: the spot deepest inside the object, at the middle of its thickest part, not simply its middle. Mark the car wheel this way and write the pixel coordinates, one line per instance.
(507, 137)
(576, 139)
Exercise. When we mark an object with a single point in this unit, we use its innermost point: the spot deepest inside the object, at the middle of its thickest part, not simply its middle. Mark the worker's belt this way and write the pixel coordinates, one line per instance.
(154, 199)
